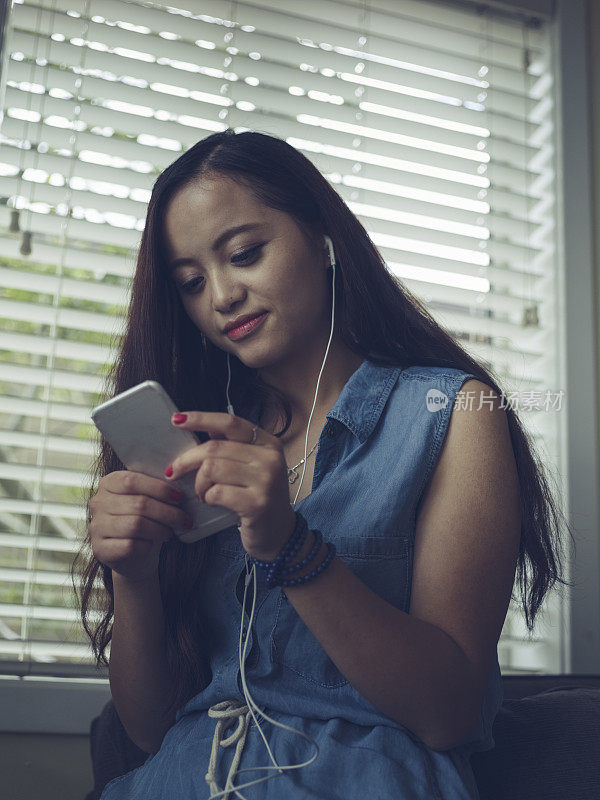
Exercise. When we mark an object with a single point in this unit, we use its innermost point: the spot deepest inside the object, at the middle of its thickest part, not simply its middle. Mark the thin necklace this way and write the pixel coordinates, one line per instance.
(292, 474)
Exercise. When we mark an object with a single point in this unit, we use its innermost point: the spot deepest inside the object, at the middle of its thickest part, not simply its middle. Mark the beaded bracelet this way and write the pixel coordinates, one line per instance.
(307, 559)
(289, 550)
(319, 568)
(277, 569)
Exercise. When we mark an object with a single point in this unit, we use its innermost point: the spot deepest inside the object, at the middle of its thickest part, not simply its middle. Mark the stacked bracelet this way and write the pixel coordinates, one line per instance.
(319, 568)
(307, 559)
(279, 568)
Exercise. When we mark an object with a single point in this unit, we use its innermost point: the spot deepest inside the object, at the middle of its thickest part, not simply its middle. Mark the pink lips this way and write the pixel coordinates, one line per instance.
(246, 328)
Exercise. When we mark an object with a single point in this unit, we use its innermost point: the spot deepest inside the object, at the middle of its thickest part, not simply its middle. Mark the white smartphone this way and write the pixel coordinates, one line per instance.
(137, 425)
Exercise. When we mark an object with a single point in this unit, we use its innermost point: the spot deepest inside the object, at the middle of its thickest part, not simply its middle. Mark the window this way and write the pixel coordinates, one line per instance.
(434, 121)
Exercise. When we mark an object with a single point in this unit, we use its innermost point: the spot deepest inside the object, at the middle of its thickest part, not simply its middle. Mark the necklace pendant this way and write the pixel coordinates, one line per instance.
(292, 475)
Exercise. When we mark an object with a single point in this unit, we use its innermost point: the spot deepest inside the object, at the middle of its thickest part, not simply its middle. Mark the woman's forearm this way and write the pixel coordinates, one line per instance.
(411, 670)
(139, 678)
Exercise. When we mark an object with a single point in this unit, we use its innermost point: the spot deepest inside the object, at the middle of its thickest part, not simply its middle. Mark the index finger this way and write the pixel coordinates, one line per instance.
(130, 482)
(218, 424)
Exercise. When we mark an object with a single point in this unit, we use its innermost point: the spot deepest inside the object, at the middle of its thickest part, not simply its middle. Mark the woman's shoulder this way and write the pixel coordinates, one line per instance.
(422, 389)
(373, 372)
(428, 371)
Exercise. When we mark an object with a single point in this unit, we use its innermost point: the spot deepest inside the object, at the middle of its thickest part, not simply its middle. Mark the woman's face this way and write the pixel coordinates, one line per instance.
(275, 267)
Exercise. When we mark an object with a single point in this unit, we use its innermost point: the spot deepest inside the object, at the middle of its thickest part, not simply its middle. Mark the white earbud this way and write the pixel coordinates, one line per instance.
(329, 245)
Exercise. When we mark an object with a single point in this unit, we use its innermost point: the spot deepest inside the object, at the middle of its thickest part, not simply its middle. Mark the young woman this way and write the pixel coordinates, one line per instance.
(362, 434)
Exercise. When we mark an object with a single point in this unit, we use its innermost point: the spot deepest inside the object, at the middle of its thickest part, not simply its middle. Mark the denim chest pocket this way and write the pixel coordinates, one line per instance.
(383, 564)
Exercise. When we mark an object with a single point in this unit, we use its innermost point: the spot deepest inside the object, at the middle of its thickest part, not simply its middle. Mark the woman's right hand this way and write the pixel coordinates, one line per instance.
(132, 515)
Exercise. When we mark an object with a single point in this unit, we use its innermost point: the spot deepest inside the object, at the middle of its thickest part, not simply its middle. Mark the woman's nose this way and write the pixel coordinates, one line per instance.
(225, 295)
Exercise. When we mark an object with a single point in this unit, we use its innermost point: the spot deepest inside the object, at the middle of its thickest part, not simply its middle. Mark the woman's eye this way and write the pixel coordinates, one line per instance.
(244, 255)
(189, 286)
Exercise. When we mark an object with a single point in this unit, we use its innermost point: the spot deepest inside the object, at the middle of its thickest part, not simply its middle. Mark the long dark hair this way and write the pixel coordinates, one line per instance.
(378, 319)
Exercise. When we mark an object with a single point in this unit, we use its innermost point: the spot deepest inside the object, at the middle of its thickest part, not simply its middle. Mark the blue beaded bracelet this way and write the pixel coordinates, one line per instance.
(291, 547)
(307, 559)
(319, 568)
(277, 569)
(289, 552)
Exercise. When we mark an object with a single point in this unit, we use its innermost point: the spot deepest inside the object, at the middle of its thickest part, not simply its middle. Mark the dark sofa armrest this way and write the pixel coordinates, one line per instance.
(547, 747)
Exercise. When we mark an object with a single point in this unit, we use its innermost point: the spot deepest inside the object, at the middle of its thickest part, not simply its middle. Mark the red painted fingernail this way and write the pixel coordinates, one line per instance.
(179, 418)
(169, 471)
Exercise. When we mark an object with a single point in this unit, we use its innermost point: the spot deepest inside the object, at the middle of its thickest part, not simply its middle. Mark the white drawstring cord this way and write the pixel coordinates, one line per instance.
(226, 711)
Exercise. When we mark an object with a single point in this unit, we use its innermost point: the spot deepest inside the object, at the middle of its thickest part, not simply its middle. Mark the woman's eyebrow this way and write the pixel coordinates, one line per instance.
(219, 242)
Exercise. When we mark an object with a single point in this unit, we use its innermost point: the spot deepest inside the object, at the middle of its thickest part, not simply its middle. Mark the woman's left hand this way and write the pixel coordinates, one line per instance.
(251, 479)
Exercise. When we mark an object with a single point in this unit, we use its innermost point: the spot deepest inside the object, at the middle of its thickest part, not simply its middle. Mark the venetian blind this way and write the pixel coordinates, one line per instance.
(434, 122)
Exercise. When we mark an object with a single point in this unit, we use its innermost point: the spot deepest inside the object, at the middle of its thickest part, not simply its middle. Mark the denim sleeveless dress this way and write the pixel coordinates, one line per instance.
(375, 456)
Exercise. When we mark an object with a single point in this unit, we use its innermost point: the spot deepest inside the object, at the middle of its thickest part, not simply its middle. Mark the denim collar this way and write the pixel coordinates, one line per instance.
(363, 398)
(361, 401)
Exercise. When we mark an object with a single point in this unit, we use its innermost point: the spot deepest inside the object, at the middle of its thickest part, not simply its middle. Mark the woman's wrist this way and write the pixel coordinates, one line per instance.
(271, 555)
(148, 581)
(301, 559)
(304, 551)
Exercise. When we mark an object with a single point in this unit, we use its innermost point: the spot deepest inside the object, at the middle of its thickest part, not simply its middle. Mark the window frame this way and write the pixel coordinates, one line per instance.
(578, 343)
(40, 704)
